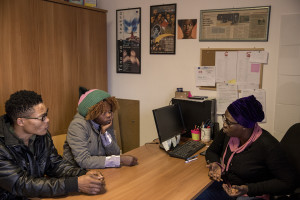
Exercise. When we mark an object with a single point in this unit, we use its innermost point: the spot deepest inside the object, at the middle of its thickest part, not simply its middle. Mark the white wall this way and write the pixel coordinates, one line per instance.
(162, 74)
(287, 106)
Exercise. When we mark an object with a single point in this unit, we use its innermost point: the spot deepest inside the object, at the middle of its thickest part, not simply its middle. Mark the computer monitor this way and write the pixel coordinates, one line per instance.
(169, 122)
(195, 112)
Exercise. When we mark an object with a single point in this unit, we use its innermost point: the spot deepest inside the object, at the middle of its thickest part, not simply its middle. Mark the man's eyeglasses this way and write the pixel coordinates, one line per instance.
(225, 120)
(42, 118)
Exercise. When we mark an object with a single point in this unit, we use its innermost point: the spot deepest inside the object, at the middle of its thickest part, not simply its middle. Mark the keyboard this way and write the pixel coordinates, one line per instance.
(186, 149)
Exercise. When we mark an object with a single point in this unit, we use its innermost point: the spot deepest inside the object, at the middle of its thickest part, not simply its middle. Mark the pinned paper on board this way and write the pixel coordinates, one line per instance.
(259, 94)
(235, 66)
(225, 65)
(255, 67)
(233, 81)
(205, 76)
(226, 94)
(259, 57)
(248, 74)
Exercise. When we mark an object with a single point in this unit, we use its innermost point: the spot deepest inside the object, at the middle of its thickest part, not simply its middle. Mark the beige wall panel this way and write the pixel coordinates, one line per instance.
(117, 133)
(129, 122)
(289, 60)
(288, 90)
(287, 115)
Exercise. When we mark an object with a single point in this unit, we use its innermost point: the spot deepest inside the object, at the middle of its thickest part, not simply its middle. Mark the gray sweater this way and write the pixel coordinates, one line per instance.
(84, 145)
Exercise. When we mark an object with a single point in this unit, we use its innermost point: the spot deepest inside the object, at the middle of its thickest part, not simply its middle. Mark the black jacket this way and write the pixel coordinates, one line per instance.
(35, 170)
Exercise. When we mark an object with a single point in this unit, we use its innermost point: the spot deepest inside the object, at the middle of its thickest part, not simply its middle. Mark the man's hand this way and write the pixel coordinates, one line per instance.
(215, 171)
(127, 160)
(235, 190)
(94, 173)
(91, 183)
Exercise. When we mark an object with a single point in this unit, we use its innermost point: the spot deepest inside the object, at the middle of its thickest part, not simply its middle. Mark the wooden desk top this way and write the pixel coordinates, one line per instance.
(157, 176)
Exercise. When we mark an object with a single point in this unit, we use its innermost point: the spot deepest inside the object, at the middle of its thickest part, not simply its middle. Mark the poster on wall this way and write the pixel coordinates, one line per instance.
(235, 24)
(187, 29)
(80, 2)
(129, 40)
(162, 29)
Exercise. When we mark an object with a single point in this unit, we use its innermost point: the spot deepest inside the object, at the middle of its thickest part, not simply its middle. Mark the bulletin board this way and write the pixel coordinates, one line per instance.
(208, 56)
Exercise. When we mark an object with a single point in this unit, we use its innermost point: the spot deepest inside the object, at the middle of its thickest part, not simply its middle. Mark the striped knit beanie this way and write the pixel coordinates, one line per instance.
(89, 99)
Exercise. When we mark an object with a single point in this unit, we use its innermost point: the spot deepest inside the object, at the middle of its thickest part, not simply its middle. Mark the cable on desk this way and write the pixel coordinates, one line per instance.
(153, 142)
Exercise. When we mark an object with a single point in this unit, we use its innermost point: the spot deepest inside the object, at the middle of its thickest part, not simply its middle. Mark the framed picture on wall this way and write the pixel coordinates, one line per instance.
(80, 2)
(163, 29)
(187, 29)
(235, 24)
(90, 3)
(129, 40)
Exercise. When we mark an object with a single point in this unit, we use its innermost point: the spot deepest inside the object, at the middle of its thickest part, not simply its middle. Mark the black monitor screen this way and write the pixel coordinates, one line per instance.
(195, 112)
(168, 121)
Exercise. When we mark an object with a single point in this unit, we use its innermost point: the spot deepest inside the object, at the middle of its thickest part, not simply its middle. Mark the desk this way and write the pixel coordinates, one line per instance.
(157, 176)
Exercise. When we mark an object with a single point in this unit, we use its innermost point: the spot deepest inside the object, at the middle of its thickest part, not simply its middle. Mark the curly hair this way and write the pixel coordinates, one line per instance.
(20, 103)
(98, 108)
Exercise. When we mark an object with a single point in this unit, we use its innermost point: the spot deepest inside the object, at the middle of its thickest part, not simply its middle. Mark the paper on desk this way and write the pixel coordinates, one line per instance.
(259, 57)
(177, 139)
(167, 144)
(205, 76)
(260, 95)
(173, 141)
(226, 94)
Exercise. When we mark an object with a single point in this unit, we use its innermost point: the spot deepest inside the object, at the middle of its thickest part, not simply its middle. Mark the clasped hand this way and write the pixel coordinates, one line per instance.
(91, 183)
(235, 190)
(215, 171)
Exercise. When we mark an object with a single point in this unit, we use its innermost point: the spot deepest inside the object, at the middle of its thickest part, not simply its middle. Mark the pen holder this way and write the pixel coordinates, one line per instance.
(196, 135)
(205, 134)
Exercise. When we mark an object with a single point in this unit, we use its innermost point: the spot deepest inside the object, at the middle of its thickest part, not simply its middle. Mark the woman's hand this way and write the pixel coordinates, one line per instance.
(128, 160)
(106, 126)
(215, 171)
(235, 190)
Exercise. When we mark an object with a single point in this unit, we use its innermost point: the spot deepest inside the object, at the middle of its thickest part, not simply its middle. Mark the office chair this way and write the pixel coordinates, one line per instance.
(290, 144)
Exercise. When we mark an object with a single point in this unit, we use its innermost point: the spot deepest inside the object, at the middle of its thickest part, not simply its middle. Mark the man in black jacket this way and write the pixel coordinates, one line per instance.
(29, 163)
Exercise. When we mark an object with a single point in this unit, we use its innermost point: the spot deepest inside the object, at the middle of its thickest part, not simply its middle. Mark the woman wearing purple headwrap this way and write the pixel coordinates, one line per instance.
(245, 159)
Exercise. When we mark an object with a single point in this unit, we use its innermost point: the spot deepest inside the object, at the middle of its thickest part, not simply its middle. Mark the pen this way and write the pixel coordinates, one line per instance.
(192, 157)
(187, 161)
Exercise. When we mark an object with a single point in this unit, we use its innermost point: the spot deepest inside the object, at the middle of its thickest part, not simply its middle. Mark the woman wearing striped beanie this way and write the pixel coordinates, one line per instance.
(91, 142)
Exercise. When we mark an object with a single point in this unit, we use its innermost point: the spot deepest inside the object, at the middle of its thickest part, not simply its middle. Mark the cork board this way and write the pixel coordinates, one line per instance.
(208, 57)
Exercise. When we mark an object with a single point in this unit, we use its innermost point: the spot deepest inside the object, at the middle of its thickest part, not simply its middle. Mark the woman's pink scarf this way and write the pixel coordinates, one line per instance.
(234, 144)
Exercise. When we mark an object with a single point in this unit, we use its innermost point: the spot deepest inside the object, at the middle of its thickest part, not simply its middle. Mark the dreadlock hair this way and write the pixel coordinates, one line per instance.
(20, 103)
(98, 108)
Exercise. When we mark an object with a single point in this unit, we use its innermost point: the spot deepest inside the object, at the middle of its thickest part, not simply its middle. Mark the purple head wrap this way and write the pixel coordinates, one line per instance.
(246, 111)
